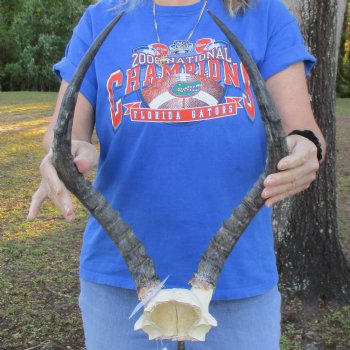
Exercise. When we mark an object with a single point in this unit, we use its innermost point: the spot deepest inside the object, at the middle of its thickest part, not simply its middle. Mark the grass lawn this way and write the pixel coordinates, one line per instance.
(39, 259)
(343, 107)
(26, 98)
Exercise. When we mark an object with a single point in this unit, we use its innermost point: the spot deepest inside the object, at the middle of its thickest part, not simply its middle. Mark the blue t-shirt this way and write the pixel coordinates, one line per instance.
(181, 136)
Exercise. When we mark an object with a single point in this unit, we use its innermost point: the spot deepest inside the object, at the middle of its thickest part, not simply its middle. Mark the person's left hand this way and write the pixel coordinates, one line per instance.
(296, 171)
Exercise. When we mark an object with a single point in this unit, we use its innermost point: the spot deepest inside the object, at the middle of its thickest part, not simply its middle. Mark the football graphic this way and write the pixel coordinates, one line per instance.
(183, 91)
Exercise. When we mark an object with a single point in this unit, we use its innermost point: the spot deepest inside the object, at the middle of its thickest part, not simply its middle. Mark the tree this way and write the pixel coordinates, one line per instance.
(311, 262)
(8, 51)
(34, 34)
(343, 78)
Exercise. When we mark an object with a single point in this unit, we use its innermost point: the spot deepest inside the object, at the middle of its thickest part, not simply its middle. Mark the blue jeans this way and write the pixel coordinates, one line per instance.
(246, 324)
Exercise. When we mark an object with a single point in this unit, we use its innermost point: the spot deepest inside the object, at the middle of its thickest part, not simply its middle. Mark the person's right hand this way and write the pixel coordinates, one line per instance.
(85, 158)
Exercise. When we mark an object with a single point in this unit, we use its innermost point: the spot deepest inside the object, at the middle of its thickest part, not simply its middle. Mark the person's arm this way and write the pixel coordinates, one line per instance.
(297, 171)
(85, 157)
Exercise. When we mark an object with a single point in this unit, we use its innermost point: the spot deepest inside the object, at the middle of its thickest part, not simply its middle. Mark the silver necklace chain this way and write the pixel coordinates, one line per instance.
(193, 29)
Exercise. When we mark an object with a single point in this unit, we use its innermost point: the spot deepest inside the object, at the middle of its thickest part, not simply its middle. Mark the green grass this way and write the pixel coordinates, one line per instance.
(335, 328)
(329, 329)
(343, 107)
(39, 259)
(39, 288)
(26, 97)
(292, 337)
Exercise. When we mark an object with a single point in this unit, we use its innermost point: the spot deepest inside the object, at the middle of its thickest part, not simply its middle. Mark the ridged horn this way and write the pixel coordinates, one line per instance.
(139, 263)
(231, 230)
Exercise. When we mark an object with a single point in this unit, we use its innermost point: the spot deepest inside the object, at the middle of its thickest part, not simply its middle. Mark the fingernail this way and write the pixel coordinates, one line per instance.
(283, 165)
(68, 211)
(31, 216)
(269, 181)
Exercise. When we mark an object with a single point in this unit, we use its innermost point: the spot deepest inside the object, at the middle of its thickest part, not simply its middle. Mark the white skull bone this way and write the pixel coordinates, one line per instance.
(178, 314)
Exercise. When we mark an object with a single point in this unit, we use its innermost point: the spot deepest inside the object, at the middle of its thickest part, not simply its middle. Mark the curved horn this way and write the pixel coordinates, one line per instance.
(231, 230)
(139, 263)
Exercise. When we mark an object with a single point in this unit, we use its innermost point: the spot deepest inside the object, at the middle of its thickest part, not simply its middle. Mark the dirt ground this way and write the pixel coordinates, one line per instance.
(328, 326)
(343, 176)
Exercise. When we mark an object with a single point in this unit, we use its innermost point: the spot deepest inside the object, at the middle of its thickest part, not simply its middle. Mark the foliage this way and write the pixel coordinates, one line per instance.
(343, 77)
(33, 35)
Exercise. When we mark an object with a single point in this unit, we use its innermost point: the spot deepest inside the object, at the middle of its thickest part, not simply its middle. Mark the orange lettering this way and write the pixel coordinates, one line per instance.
(132, 82)
(115, 80)
(190, 68)
(150, 76)
(214, 69)
(201, 68)
(248, 96)
(175, 69)
(231, 74)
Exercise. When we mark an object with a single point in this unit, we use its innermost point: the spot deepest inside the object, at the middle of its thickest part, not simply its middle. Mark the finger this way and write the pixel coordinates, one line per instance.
(82, 164)
(301, 151)
(279, 197)
(292, 175)
(285, 177)
(293, 160)
(64, 203)
(49, 175)
(38, 199)
(86, 155)
(52, 187)
(293, 186)
(283, 163)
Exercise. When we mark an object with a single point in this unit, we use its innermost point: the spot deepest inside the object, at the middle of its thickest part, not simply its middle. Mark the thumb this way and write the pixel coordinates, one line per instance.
(82, 164)
(284, 163)
(292, 141)
(85, 156)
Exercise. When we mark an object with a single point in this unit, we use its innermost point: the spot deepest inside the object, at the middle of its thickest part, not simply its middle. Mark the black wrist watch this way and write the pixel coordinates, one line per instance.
(312, 137)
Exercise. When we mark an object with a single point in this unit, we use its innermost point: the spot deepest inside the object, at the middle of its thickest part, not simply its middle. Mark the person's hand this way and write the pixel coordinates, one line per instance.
(85, 158)
(296, 171)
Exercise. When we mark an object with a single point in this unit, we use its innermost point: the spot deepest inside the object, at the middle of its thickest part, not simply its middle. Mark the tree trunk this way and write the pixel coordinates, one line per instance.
(311, 262)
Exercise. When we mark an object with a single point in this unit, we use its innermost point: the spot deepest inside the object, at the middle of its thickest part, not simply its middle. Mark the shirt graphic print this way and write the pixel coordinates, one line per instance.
(182, 83)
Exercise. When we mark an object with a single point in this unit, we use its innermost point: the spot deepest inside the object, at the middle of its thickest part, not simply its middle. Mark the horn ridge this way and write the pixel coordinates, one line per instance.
(232, 229)
(140, 265)
(267, 108)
